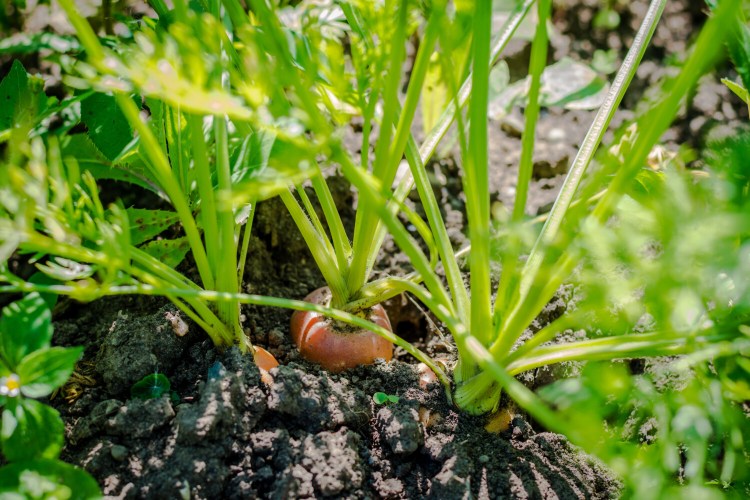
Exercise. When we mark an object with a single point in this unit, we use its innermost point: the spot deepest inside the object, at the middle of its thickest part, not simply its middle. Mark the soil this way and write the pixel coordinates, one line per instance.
(224, 434)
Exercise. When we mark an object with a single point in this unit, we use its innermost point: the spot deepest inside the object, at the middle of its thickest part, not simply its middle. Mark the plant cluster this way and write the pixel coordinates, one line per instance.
(31, 433)
(212, 108)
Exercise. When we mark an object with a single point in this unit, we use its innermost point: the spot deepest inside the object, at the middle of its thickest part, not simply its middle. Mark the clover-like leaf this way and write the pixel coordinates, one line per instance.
(383, 398)
(25, 326)
(56, 479)
(31, 430)
(151, 386)
(43, 371)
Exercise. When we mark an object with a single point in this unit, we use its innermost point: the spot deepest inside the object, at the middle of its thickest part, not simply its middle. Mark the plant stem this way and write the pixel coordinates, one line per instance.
(537, 64)
(609, 348)
(476, 179)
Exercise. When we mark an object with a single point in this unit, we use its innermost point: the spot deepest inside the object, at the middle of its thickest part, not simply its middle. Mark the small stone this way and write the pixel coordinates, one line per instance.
(119, 452)
(399, 426)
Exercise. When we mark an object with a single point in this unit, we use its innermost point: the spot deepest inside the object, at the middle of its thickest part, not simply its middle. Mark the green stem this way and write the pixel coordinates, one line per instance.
(537, 64)
(370, 190)
(365, 219)
(446, 119)
(476, 179)
(320, 248)
(605, 349)
(169, 184)
(246, 232)
(226, 267)
(333, 219)
(651, 126)
(205, 183)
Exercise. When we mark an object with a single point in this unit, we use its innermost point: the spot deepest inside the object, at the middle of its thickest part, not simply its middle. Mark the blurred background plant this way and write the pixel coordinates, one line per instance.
(31, 433)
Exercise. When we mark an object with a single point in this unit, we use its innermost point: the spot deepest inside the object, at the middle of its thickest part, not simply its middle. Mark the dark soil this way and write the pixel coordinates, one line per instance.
(224, 434)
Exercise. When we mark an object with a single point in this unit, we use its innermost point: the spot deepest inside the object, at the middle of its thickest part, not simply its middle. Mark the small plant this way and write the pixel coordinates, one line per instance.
(31, 433)
(381, 398)
(153, 386)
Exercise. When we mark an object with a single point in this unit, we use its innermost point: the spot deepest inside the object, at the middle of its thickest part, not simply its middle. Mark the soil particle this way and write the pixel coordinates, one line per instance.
(399, 427)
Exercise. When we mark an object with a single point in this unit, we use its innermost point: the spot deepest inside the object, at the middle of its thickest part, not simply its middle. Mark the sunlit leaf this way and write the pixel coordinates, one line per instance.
(21, 96)
(45, 370)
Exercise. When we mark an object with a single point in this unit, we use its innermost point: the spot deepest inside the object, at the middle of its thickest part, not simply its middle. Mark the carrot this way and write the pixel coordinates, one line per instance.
(334, 347)
(265, 361)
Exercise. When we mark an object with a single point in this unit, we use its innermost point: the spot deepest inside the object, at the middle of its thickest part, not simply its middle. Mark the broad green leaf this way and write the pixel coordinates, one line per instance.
(156, 122)
(89, 158)
(25, 326)
(252, 155)
(145, 224)
(43, 371)
(573, 85)
(151, 386)
(566, 83)
(21, 97)
(31, 430)
(289, 162)
(108, 128)
(53, 478)
(170, 252)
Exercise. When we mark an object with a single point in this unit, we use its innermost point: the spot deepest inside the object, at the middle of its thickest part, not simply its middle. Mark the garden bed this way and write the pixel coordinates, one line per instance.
(222, 433)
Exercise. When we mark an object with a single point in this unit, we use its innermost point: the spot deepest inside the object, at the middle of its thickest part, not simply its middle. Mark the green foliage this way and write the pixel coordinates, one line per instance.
(108, 128)
(22, 97)
(31, 433)
(31, 430)
(248, 105)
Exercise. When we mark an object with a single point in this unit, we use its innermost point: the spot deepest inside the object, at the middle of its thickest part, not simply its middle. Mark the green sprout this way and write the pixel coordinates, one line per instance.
(381, 398)
(154, 386)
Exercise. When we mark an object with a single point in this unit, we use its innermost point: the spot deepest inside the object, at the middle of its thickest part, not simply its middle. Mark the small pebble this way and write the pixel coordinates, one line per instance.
(119, 452)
